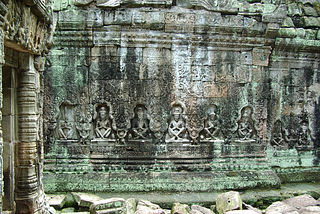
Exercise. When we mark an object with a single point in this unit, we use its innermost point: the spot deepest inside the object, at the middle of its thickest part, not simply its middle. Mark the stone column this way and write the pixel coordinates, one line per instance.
(28, 191)
(1, 140)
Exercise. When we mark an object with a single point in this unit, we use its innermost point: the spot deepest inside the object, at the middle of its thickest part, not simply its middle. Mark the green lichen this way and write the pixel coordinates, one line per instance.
(287, 32)
(287, 22)
(318, 35)
(316, 6)
(269, 8)
(294, 9)
(311, 34)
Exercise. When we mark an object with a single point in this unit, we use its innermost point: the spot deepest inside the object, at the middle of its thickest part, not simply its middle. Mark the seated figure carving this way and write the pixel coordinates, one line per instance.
(65, 128)
(65, 123)
(279, 136)
(103, 123)
(140, 125)
(246, 129)
(211, 126)
(177, 126)
(83, 125)
(305, 138)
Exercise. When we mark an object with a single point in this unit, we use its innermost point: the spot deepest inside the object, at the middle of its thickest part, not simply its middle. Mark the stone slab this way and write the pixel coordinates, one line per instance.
(108, 205)
(56, 201)
(85, 199)
(201, 209)
(301, 201)
(228, 201)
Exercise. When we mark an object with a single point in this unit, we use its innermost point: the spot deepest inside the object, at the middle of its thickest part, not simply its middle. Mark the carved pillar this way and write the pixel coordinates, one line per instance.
(28, 191)
(3, 11)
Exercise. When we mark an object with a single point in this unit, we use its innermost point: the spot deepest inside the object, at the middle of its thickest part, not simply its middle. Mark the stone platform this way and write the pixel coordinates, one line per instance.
(255, 197)
(160, 181)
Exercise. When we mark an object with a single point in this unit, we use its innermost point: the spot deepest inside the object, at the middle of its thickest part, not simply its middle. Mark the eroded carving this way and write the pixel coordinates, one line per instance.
(84, 122)
(25, 29)
(65, 127)
(103, 121)
(194, 127)
(122, 122)
(279, 136)
(212, 130)
(246, 126)
(177, 125)
(305, 139)
(157, 123)
(140, 124)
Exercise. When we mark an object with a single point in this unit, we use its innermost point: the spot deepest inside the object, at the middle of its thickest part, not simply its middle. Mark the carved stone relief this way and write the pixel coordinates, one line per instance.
(65, 129)
(305, 139)
(194, 127)
(84, 122)
(21, 27)
(158, 124)
(140, 124)
(279, 137)
(122, 122)
(212, 125)
(246, 129)
(177, 124)
(103, 121)
(97, 124)
(212, 56)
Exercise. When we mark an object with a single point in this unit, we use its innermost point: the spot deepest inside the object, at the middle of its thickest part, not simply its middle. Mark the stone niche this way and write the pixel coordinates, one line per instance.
(179, 96)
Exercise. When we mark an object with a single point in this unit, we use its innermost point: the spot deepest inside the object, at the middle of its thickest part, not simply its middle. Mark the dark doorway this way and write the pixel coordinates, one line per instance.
(9, 129)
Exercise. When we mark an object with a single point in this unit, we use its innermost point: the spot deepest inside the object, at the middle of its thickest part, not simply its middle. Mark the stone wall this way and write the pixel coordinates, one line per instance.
(25, 37)
(191, 95)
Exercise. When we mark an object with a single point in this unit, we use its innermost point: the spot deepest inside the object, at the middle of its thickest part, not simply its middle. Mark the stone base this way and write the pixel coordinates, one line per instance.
(292, 165)
(160, 181)
(294, 175)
